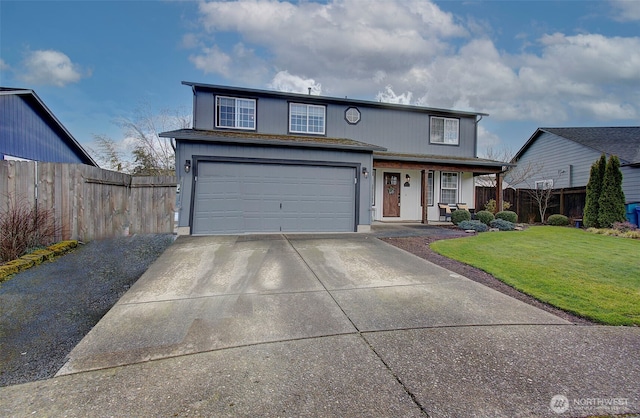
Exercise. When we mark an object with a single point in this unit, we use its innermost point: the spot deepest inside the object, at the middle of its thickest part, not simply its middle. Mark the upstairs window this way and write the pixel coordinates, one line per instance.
(445, 131)
(306, 119)
(236, 113)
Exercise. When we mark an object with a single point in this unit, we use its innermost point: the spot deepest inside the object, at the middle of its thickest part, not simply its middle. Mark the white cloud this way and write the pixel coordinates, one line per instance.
(390, 96)
(212, 60)
(190, 41)
(283, 81)
(240, 62)
(487, 140)
(357, 47)
(3, 65)
(626, 10)
(606, 109)
(348, 42)
(49, 67)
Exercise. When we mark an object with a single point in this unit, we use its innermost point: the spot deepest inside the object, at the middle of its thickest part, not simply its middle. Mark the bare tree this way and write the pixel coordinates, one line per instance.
(541, 194)
(504, 154)
(513, 176)
(142, 151)
(109, 154)
(538, 184)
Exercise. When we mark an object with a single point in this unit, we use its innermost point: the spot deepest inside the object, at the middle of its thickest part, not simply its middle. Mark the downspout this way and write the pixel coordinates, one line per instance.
(35, 194)
(475, 142)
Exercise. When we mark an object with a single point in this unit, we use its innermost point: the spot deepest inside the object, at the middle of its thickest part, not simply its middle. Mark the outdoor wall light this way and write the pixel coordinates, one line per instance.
(365, 172)
(187, 166)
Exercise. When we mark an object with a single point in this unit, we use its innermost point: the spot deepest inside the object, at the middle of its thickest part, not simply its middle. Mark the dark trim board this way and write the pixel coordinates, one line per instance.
(197, 159)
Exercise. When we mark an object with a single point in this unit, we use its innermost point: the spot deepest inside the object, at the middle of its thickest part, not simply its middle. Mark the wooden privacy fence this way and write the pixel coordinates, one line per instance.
(569, 202)
(88, 202)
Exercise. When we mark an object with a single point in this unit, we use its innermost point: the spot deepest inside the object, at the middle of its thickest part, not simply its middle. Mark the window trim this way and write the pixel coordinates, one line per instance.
(457, 188)
(346, 115)
(237, 114)
(546, 184)
(444, 131)
(308, 106)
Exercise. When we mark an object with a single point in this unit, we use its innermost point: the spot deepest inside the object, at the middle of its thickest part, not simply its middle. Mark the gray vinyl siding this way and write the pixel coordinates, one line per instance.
(203, 111)
(24, 134)
(557, 158)
(187, 150)
(397, 130)
(631, 184)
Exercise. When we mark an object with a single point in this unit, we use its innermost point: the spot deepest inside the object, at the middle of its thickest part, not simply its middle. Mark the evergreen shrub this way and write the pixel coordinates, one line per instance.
(508, 215)
(485, 216)
(473, 225)
(502, 225)
(460, 215)
(558, 220)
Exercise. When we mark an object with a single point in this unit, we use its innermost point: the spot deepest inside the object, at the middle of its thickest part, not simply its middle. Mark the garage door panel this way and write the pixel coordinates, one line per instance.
(247, 197)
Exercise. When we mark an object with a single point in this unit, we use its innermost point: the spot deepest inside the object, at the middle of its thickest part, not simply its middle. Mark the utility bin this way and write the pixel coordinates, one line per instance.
(633, 213)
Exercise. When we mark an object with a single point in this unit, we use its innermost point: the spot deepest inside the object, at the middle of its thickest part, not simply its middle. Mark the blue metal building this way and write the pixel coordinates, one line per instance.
(29, 131)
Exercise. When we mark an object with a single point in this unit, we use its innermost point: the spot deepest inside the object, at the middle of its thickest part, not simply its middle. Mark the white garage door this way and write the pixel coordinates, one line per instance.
(233, 198)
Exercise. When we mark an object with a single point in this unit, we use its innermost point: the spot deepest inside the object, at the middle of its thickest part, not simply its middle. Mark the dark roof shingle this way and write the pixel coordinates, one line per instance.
(623, 142)
(270, 139)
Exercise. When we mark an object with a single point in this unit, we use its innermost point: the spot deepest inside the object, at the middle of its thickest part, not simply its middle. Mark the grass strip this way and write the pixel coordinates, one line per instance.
(593, 276)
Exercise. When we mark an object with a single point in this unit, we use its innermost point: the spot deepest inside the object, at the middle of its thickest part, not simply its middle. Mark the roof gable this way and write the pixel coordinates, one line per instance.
(38, 106)
(623, 142)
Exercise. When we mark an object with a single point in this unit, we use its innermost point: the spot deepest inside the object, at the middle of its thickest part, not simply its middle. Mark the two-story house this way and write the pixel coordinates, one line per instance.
(266, 161)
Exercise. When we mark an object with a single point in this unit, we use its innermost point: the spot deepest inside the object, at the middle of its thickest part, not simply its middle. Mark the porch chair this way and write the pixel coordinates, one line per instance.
(466, 207)
(445, 211)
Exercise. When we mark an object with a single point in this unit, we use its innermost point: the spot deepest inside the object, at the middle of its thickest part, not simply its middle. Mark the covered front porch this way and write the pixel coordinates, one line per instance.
(408, 187)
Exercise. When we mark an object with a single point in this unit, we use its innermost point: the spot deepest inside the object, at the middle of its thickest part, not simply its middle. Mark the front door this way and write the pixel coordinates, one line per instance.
(391, 195)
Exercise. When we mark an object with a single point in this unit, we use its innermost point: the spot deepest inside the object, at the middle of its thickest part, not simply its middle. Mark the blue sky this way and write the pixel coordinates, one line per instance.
(526, 63)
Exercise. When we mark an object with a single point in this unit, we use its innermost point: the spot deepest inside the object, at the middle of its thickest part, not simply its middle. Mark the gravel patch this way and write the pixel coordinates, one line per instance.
(45, 311)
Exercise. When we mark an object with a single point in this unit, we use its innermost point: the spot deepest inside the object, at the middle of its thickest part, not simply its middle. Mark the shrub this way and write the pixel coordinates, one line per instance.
(491, 206)
(460, 215)
(502, 225)
(473, 225)
(507, 215)
(631, 234)
(558, 220)
(624, 226)
(485, 216)
(23, 226)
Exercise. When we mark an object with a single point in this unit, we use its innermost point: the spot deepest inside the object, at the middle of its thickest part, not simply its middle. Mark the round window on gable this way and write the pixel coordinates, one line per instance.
(352, 115)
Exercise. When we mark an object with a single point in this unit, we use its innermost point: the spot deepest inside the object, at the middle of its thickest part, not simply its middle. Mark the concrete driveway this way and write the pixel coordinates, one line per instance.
(328, 325)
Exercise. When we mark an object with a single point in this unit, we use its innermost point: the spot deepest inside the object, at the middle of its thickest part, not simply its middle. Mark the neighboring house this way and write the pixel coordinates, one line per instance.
(30, 132)
(561, 158)
(266, 161)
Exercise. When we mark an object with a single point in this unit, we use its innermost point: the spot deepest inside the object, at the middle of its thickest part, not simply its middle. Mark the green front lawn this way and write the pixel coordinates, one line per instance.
(593, 276)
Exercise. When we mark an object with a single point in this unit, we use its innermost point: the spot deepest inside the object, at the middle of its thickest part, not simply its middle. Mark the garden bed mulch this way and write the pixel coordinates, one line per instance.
(419, 245)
